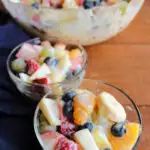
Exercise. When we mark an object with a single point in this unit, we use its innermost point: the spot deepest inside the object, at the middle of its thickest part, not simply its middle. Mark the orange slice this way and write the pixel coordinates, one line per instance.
(74, 53)
(80, 116)
(128, 141)
(85, 101)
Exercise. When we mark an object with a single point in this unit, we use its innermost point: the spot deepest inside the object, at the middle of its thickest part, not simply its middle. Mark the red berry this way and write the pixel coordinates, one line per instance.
(67, 128)
(42, 80)
(32, 66)
(65, 144)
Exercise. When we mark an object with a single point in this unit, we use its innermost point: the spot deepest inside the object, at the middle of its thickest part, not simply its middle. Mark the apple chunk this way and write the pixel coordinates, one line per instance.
(50, 110)
(85, 140)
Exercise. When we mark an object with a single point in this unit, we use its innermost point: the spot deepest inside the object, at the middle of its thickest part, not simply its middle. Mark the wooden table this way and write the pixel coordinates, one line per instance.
(125, 61)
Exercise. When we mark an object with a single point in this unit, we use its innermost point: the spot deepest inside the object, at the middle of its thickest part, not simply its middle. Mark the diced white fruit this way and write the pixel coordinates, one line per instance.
(60, 46)
(56, 89)
(52, 51)
(85, 140)
(27, 52)
(64, 64)
(70, 4)
(43, 71)
(15, 1)
(57, 76)
(45, 3)
(24, 77)
(86, 100)
(100, 138)
(50, 110)
(60, 53)
(111, 108)
(38, 48)
(80, 91)
(46, 44)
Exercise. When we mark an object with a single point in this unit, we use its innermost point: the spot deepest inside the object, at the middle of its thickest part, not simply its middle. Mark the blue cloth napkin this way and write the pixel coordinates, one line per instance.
(16, 111)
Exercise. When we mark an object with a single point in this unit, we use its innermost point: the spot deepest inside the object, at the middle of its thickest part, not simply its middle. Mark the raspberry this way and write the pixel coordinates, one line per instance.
(42, 80)
(67, 128)
(65, 144)
(32, 66)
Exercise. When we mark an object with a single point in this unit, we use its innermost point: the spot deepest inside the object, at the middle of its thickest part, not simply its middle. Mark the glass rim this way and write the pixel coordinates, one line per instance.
(70, 9)
(134, 105)
(75, 78)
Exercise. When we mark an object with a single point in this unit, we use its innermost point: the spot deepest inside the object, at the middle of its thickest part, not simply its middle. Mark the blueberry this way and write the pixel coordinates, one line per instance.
(69, 96)
(91, 3)
(97, 2)
(68, 110)
(68, 106)
(118, 129)
(35, 5)
(88, 4)
(47, 60)
(87, 125)
(51, 62)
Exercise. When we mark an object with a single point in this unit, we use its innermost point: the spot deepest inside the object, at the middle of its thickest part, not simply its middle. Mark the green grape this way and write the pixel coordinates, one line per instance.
(47, 53)
(18, 65)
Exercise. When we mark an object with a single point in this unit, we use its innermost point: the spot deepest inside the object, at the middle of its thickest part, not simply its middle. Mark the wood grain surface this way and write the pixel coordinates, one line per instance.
(125, 61)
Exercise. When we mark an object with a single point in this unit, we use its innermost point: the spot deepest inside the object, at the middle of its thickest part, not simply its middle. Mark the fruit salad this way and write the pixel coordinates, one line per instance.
(81, 120)
(47, 63)
(80, 21)
(86, 4)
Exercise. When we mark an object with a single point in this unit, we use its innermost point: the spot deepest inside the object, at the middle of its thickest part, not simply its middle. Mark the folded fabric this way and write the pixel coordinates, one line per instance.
(16, 133)
(11, 102)
(16, 111)
(11, 35)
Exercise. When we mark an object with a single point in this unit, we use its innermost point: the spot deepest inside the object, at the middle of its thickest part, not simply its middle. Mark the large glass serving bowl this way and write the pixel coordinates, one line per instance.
(97, 86)
(36, 91)
(86, 26)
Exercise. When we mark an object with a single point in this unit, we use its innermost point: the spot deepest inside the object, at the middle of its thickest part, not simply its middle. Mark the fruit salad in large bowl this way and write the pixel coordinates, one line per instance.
(83, 21)
(97, 116)
(37, 67)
